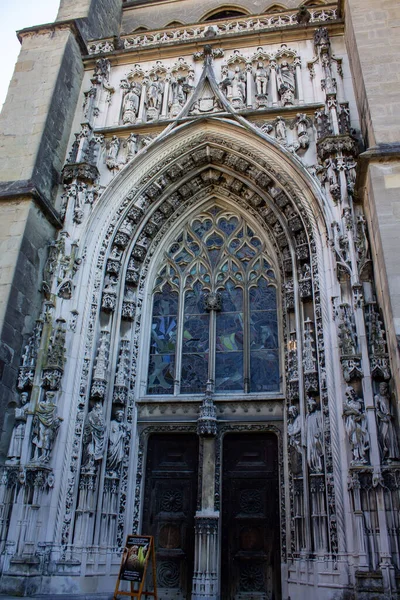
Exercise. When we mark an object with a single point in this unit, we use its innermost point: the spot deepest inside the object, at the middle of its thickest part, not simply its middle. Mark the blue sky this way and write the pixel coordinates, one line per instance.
(17, 14)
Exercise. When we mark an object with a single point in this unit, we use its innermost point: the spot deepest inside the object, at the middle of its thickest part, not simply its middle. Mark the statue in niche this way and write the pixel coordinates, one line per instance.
(286, 83)
(94, 437)
(80, 198)
(154, 93)
(280, 130)
(181, 88)
(387, 431)
(45, 428)
(116, 443)
(18, 433)
(356, 426)
(294, 428)
(261, 78)
(130, 104)
(234, 87)
(315, 448)
(301, 127)
(112, 152)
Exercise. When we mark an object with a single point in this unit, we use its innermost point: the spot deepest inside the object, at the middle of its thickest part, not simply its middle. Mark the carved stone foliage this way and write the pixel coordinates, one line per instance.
(121, 385)
(26, 371)
(378, 354)
(309, 358)
(350, 357)
(54, 365)
(205, 30)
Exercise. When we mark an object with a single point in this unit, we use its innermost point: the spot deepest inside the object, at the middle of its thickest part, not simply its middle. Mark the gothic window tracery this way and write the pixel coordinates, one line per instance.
(214, 310)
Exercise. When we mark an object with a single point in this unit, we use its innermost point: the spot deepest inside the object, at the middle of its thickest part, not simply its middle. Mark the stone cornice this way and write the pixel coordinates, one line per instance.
(12, 190)
(379, 153)
(71, 24)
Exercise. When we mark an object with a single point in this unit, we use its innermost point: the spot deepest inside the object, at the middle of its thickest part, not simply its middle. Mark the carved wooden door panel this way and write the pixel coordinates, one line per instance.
(169, 508)
(250, 518)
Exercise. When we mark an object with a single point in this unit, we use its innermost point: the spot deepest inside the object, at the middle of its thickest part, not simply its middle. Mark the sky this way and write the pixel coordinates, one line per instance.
(14, 15)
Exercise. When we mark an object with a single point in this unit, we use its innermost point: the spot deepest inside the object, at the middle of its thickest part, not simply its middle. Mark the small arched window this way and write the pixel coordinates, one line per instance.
(225, 12)
(215, 311)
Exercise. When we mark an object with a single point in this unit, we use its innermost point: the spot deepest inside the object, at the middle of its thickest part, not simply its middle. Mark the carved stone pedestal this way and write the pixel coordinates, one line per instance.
(205, 577)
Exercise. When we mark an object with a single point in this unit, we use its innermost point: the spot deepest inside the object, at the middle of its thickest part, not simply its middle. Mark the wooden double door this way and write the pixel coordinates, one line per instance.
(250, 557)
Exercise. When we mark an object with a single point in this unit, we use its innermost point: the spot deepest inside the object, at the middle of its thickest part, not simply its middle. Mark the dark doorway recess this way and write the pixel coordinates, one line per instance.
(250, 518)
(169, 509)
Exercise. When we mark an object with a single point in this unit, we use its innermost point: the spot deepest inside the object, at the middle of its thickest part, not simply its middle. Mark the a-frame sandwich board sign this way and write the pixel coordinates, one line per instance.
(137, 553)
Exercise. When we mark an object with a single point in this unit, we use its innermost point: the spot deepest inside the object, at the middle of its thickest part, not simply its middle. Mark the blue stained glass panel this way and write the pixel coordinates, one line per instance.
(264, 371)
(229, 335)
(163, 335)
(263, 330)
(165, 303)
(228, 371)
(228, 225)
(194, 373)
(232, 298)
(161, 374)
(194, 301)
(201, 227)
(262, 297)
(195, 333)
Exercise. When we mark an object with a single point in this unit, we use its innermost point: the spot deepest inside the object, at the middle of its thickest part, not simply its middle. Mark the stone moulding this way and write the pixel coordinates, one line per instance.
(230, 27)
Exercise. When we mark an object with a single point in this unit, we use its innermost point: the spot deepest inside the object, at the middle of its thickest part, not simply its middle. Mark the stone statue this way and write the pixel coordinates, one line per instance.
(116, 449)
(280, 130)
(94, 437)
(154, 94)
(17, 437)
(356, 426)
(234, 86)
(294, 428)
(315, 449)
(112, 152)
(132, 146)
(286, 83)
(261, 79)
(130, 104)
(387, 431)
(45, 428)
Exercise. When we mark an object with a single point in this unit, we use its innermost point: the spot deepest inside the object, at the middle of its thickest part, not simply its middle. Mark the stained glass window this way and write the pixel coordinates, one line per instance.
(234, 340)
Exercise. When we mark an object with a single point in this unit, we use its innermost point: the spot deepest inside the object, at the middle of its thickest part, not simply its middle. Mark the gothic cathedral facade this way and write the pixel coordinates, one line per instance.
(200, 299)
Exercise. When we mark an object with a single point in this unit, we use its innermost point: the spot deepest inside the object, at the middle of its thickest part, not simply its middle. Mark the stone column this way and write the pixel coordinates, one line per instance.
(274, 89)
(299, 81)
(206, 560)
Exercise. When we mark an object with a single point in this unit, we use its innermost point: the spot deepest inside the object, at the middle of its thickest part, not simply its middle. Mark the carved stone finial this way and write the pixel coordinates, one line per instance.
(207, 421)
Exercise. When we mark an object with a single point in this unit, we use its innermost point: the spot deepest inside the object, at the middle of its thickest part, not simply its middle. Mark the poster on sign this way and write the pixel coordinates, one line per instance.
(135, 558)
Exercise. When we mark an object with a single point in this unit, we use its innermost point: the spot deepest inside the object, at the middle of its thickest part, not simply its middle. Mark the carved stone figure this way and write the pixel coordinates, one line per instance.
(234, 86)
(80, 198)
(294, 428)
(286, 83)
(116, 449)
(112, 152)
(132, 146)
(387, 431)
(130, 104)
(301, 127)
(45, 428)
(154, 94)
(315, 449)
(280, 130)
(17, 437)
(94, 437)
(261, 77)
(356, 426)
